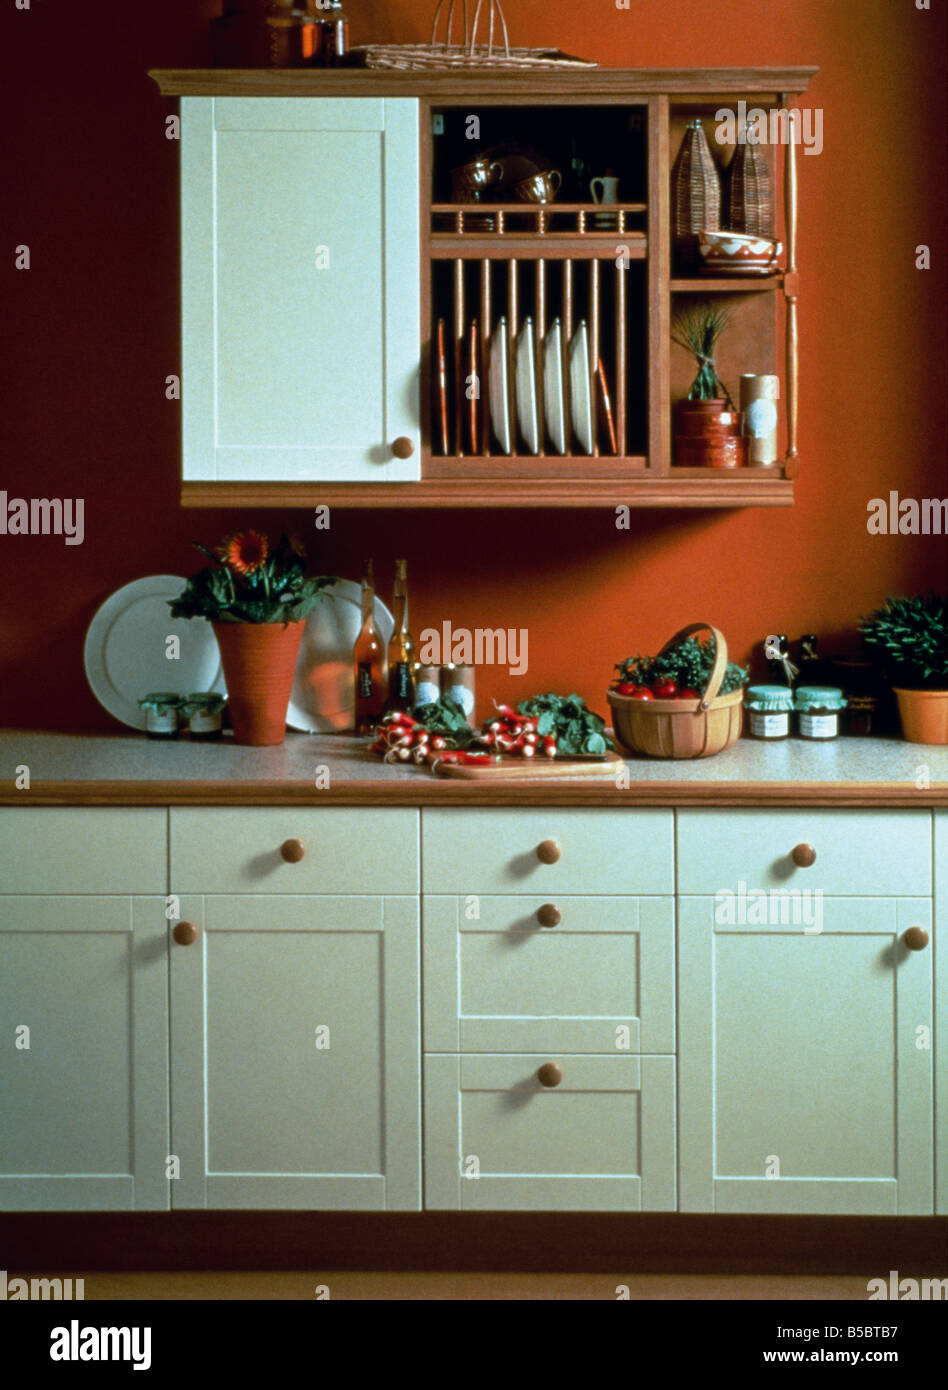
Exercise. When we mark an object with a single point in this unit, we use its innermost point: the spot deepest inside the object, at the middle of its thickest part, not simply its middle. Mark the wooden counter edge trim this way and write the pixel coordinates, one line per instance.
(429, 792)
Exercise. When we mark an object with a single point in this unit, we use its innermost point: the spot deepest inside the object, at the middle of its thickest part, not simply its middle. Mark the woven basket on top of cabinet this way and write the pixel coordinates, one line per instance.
(682, 728)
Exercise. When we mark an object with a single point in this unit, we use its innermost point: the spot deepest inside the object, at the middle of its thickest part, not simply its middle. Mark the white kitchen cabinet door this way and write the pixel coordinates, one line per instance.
(805, 1066)
(940, 961)
(296, 1054)
(300, 288)
(84, 1062)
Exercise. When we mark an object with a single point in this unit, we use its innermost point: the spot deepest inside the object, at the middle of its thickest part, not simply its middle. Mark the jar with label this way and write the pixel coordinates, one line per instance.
(768, 711)
(205, 715)
(162, 709)
(457, 682)
(818, 710)
(427, 684)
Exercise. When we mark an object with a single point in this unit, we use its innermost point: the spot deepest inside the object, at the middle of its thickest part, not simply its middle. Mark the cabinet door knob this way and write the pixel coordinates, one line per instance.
(550, 1074)
(185, 933)
(803, 856)
(402, 447)
(548, 851)
(549, 915)
(292, 851)
(915, 938)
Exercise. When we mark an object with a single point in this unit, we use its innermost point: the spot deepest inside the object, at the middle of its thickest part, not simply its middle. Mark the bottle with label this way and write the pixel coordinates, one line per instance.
(780, 669)
(332, 34)
(401, 649)
(812, 666)
(369, 661)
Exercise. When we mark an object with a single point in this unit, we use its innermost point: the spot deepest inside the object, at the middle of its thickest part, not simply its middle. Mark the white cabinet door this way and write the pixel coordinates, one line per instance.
(300, 286)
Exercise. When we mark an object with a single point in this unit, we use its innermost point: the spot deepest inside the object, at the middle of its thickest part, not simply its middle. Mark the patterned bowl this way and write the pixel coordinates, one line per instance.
(736, 248)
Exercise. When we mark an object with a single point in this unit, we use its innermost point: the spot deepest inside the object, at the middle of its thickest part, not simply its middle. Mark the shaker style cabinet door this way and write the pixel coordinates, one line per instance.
(300, 287)
(940, 962)
(296, 1053)
(805, 1062)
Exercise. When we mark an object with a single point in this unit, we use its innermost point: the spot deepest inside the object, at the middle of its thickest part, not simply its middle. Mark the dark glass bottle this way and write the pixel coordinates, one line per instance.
(401, 649)
(369, 661)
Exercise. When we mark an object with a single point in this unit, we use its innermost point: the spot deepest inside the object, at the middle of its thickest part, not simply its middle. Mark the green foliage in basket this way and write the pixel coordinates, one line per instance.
(697, 330)
(909, 638)
(689, 664)
(250, 583)
(577, 729)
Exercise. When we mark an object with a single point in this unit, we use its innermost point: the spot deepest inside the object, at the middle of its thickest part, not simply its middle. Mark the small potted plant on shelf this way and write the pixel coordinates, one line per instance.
(909, 639)
(707, 427)
(256, 599)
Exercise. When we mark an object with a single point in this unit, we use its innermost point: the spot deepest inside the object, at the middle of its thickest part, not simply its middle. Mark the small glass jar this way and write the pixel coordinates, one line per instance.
(205, 715)
(162, 714)
(818, 710)
(769, 708)
(857, 722)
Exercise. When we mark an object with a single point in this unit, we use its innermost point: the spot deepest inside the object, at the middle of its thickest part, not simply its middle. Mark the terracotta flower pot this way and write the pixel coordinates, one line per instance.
(259, 661)
(924, 715)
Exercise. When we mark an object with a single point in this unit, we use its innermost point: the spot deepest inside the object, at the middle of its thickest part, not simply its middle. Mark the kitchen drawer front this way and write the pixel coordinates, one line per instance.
(602, 1140)
(45, 849)
(601, 981)
(858, 853)
(217, 850)
(599, 851)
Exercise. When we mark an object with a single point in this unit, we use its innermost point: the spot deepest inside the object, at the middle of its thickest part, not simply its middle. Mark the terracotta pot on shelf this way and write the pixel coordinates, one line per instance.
(924, 715)
(259, 661)
(708, 435)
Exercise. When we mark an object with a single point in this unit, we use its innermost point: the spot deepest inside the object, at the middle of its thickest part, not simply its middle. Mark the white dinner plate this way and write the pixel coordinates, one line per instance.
(498, 389)
(126, 649)
(322, 700)
(526, 384)
(580, 387)
(557, 422)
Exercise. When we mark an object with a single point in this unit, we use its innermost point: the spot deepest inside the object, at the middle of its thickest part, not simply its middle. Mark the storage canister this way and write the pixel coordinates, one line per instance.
(769, 708)
(818, 709)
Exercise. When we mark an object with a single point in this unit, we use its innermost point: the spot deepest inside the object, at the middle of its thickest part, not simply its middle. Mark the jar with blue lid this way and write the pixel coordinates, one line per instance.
(818, 710)
(769, 708)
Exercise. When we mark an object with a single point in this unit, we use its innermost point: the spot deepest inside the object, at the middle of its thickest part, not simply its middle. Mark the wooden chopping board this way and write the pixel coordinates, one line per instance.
(534, 769)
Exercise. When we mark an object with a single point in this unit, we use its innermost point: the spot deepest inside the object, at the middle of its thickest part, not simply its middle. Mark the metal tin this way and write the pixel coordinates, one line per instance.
(427, 684)
(759, 396)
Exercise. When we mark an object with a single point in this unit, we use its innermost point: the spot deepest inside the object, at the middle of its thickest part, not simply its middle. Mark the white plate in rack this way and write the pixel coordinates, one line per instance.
(126, 649)
(557, 416)
(526, 382)
(581, 387)
(498, 377)
(322, 700)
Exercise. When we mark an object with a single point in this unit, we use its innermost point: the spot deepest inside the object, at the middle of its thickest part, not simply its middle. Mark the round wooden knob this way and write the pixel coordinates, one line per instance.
(915, 938)
(185, 933)
(803, 856)
(550, 1074)
(292, 851)
(549, 916)
(403, 448)
(548, 851)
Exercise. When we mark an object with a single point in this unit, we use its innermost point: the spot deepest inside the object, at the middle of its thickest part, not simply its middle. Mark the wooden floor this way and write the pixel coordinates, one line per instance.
(414, 1286)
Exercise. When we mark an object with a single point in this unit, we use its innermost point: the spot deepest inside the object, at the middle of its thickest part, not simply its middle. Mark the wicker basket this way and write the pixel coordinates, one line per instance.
(750, 193)
(409, 57)
(696, 194)
(682, 728)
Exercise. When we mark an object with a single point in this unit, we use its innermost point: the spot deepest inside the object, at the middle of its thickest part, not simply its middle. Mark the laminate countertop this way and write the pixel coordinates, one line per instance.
(50, 769)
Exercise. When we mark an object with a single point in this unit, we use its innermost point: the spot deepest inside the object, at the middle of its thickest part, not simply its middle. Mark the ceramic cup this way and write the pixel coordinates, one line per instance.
(470, 181)
(608, 189)
(539, 187)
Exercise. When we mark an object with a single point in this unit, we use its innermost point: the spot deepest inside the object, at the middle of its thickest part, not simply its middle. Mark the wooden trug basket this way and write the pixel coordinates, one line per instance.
(682, 728)
(407, 57)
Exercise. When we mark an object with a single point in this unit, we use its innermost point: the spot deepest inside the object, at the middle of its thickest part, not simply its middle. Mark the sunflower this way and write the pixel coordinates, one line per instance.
(244, 551)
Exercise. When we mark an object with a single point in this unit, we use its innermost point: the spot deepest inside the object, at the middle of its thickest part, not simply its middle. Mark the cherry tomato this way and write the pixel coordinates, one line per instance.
(664, 690)
(688, 695)
(626, 688)
(640, 692)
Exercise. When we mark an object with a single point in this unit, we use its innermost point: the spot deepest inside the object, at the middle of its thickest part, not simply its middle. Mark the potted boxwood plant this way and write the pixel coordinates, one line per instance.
(256, 599)
(909, 639)
(707, 427)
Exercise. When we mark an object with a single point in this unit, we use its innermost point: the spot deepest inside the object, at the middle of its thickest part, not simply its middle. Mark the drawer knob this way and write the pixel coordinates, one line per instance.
(803, 856)
(292, 851)
(550, 1074)
(915, 938)
(548, 851)
(185, 933)
(402, 447)
(549, 915)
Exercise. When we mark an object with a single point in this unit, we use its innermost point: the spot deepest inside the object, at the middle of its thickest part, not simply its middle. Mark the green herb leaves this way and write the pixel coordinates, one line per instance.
(271, 589)
(909, 636)
(577, 729)
(689, 664)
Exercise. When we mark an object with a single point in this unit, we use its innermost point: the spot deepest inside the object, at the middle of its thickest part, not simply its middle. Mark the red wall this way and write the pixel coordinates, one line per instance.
(92, 331)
